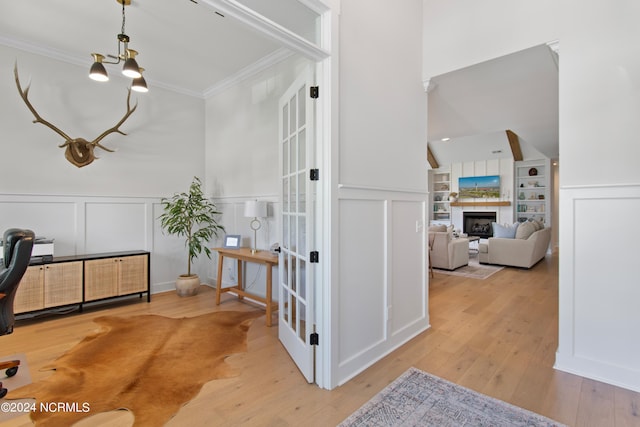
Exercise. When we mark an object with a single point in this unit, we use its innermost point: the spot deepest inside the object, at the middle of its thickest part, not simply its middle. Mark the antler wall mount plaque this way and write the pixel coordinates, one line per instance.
(78, 151)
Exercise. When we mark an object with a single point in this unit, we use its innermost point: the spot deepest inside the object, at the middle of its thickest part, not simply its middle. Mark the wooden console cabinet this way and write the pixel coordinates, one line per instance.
(83, 278)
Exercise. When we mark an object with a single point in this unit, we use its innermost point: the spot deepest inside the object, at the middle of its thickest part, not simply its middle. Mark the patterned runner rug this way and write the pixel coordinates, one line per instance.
(417, 398)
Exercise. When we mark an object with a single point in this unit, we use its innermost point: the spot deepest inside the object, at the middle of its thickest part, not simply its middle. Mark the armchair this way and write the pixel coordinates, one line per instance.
(17, 245)
(447, 252)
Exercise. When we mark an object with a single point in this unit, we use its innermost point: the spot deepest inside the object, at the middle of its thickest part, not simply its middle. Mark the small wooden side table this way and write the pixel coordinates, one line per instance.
(265, 258)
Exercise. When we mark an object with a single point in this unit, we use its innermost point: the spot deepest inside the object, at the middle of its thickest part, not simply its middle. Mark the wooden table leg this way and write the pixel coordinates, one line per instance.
(219, 283)
(268, 321)
(240, 281)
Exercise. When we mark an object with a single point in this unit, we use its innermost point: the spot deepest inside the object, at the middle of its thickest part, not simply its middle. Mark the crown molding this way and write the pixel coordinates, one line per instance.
(554, 46)
(292, 44)
(428, 85)
(81, 61)
(41, 50)
(249, 71)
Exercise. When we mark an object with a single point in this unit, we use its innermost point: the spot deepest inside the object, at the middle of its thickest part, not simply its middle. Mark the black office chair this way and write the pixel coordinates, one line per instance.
(17, 245)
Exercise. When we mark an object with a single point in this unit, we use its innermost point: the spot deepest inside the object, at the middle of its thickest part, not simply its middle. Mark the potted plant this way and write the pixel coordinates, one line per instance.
(192, 216)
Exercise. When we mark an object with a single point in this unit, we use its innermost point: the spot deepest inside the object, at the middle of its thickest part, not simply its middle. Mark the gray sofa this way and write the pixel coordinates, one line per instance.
(516, 252)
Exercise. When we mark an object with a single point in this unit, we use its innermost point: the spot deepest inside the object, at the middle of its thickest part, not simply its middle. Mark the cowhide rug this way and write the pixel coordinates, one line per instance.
(150, 365)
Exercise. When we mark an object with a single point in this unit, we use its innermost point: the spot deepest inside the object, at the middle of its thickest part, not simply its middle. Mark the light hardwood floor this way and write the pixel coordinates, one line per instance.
(496, 336)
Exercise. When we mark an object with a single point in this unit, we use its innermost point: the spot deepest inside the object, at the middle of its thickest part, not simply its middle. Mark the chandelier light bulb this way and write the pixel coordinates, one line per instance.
(97, 71)
(139, 84)
(131, 68)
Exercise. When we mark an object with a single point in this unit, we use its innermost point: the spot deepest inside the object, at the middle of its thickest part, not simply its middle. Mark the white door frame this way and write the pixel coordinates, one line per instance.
(326, 161)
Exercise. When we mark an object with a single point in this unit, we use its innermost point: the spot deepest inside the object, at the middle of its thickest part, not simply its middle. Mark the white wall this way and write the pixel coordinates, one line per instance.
(502, 167)
(461, 33)
(599, 185)
(242, 160)
(598, 94)
(379, 284)
(111, 204)
(160, 154)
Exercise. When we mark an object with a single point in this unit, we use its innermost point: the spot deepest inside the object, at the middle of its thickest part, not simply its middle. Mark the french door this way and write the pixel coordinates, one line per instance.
(296, 288)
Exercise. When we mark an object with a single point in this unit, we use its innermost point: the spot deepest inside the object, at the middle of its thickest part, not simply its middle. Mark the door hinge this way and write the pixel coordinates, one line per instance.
(314, 339)
(314, 92)
(314, 174)
(314, 257)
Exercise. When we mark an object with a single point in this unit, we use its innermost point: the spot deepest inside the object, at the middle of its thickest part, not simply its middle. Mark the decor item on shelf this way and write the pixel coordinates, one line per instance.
(521, 196)
(192, 216)
(533, 172)
(78, 151)
(453, 197)
(255, 209)
(130, 67)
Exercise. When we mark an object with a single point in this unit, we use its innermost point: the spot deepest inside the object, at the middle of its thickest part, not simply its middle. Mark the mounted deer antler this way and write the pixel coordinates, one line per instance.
(78, 151)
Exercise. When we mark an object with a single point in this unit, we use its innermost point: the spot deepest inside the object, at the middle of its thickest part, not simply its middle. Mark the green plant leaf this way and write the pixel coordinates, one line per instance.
(192, 216)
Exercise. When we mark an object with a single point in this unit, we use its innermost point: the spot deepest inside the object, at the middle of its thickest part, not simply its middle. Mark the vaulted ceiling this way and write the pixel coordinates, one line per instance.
(196, 46)
(474, 106)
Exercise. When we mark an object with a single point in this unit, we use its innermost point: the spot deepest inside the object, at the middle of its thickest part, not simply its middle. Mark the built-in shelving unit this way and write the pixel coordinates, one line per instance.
(532, 191)
(440, 180)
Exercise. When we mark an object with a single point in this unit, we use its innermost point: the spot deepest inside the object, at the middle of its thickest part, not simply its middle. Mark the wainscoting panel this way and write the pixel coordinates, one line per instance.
(235, 222)
(599, 284)
(363, 278)
(54, 218)
(115, 226)
(94, 224)
(382, 287)
(408, 300)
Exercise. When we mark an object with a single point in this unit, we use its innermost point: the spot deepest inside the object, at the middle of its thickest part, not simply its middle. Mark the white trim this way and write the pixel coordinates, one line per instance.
(554, 46)
(268, 28)
(587, 306)
(248, 71)
(81, 61)
(392, 190)
(252, 19)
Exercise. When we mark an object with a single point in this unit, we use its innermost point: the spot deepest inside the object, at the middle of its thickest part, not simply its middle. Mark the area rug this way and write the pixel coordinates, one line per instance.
(417, 398)
(150, 365)
(474, 269)
(20, 379)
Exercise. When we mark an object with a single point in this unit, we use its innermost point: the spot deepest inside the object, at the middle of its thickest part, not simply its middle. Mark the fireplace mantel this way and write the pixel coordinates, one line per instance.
(487, 203)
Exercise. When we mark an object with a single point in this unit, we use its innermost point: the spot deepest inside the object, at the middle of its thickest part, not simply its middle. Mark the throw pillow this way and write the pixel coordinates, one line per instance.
(507, 231)
(537, 224)
(525, 230)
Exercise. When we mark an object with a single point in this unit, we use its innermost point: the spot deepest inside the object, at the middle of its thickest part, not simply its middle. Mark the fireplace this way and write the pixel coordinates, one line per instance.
(478, 223)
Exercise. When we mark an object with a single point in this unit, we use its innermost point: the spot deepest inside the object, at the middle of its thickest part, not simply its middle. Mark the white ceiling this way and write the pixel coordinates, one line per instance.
(187, 47)
(182, 45)
(474, 107)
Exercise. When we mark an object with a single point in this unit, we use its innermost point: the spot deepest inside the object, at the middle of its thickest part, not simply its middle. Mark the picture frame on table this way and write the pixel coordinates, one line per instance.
(232, 241)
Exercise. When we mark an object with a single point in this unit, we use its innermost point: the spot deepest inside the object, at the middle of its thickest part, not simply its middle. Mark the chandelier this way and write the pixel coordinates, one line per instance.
(130, 67)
